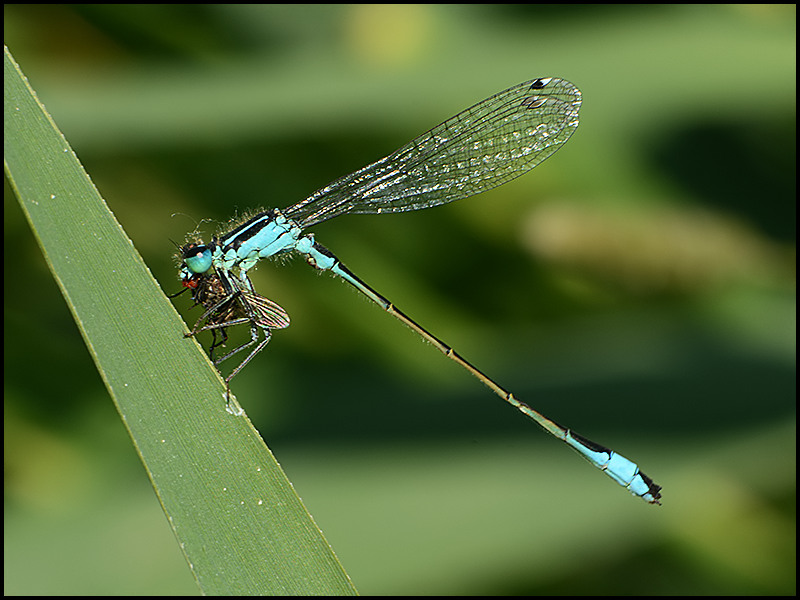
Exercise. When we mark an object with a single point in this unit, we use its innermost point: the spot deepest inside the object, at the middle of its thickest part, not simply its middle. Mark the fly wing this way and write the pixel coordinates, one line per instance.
(264, 312)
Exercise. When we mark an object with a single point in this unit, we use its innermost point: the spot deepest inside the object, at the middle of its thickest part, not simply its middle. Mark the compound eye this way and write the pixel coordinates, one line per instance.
(197, 258)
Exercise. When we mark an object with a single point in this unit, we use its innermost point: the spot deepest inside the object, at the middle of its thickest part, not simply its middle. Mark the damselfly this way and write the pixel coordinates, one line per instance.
(480, 148)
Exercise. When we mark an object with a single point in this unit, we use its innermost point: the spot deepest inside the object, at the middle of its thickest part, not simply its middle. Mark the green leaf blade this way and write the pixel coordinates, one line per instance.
(236, 516)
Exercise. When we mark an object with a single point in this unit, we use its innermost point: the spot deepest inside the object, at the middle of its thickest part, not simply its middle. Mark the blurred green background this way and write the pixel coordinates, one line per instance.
(639, 287)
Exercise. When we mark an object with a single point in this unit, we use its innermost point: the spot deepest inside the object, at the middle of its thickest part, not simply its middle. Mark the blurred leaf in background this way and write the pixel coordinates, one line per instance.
(639, 286)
